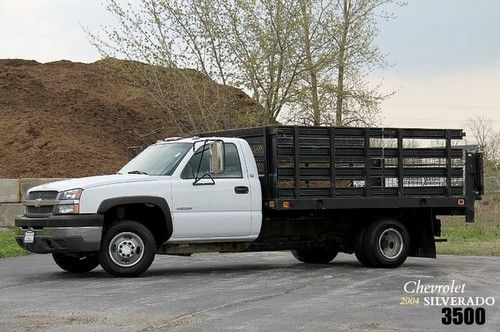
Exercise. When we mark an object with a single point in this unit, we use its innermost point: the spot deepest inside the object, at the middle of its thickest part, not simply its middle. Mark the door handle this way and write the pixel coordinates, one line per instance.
(241, 189)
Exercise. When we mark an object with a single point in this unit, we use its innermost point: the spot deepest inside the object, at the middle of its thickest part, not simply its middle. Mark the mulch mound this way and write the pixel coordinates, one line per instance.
(67, 119)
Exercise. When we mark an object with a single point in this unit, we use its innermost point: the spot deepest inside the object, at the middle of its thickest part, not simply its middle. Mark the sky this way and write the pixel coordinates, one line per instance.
(444, 54)
(446, 63)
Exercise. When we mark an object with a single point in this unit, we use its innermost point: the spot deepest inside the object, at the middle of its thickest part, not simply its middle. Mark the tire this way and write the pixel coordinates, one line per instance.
(384, 243)
(315, 255)
(360, 255)
(74, 264)
(128, 249)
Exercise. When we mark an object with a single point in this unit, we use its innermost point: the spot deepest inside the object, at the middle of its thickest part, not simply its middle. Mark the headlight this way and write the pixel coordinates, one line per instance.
(72, 194)
(68, 207)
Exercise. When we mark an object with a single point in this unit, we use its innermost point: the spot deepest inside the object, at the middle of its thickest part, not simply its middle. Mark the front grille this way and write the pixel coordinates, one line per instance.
(37, 208)
(45, 209)
(45, 195)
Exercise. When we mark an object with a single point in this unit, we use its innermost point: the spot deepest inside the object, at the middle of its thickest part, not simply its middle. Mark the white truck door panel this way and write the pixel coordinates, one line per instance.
(202, 211)
(217, 211)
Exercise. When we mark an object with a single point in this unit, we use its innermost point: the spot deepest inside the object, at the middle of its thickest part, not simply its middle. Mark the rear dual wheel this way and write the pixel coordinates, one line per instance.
(315, 255)
(384, 243)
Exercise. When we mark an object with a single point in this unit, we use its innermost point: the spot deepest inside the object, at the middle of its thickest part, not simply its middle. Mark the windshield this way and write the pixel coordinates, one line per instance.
(157, 159)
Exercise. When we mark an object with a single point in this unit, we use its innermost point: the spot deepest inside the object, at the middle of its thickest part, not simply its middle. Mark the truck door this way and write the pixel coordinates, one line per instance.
(218, 209)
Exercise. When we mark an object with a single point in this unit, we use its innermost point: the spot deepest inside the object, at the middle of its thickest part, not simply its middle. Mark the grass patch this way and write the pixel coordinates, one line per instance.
(481, 238)
(8, 245)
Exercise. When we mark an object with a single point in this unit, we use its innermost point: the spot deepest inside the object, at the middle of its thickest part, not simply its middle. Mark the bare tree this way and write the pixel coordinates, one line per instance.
(338, 42)
(357, 54)
(262, 37)
(161, 38)
(318, 52)
(244, 43)
(486, 137)
(308, 57)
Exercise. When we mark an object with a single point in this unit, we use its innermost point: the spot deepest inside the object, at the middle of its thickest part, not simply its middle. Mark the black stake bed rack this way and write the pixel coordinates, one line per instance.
(312, 168)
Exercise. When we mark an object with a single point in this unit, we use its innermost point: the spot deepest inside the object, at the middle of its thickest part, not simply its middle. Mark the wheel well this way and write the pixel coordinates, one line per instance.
(148, 214)
(420, 225)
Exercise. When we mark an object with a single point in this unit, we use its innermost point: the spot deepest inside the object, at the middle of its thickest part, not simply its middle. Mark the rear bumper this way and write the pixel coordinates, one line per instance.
(68, 233)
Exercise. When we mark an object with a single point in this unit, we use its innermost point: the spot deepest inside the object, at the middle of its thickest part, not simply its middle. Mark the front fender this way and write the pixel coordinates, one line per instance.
(110, 203)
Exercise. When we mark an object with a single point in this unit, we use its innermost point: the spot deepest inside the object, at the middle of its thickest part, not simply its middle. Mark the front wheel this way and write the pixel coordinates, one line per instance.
(127, 249)
(74, 264)
(315, 255)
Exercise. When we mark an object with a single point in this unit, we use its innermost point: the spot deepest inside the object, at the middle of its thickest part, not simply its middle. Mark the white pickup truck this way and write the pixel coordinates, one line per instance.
(186, 195)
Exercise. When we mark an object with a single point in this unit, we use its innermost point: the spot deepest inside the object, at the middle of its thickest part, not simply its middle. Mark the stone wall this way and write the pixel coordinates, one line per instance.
(12, 193)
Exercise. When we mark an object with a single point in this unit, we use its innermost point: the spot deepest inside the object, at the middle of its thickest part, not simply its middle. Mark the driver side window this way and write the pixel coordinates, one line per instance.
(232, 167)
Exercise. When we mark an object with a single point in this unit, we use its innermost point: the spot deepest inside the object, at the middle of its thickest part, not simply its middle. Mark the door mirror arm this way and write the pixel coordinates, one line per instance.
(217, 159)
(198, 179)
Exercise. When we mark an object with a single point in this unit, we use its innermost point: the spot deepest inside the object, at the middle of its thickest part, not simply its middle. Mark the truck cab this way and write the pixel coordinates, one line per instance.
(187, 190)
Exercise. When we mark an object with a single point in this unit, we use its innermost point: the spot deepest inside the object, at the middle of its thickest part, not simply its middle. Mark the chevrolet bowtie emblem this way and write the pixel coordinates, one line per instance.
(37, 202)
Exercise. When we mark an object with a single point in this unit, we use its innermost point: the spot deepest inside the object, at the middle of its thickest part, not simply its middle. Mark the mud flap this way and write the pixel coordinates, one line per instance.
(474, 183)
(422, 237)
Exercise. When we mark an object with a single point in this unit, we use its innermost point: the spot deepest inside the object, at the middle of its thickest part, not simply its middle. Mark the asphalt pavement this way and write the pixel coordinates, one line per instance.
(251, 291)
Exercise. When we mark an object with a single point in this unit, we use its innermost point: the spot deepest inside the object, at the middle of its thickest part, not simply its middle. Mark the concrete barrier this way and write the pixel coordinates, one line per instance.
(8, 212)
(12, 193)
(9, 191)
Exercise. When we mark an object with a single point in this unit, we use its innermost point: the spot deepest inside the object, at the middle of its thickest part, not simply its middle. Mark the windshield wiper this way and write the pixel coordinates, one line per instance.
(137, 172)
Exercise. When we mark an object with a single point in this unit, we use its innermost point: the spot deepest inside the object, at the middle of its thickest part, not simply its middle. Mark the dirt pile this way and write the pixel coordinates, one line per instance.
(67, 119)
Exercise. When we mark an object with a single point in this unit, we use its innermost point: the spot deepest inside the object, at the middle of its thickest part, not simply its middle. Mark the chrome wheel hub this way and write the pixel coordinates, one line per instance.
(126, 249)
(390, 243)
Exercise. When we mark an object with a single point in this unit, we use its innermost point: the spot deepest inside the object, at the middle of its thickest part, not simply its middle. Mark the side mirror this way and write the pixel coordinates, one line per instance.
(217, 157)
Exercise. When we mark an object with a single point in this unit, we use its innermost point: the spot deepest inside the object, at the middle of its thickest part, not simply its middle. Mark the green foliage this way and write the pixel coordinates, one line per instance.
(8, 245)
